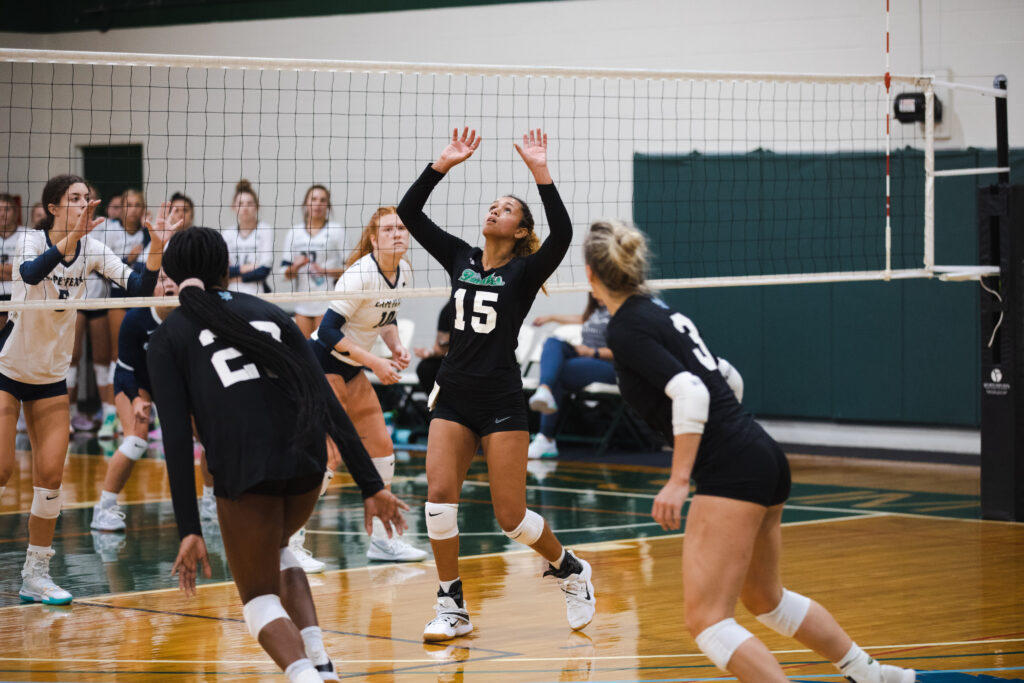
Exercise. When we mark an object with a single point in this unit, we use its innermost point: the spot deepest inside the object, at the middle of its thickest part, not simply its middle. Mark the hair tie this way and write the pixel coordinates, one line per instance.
(191, 282)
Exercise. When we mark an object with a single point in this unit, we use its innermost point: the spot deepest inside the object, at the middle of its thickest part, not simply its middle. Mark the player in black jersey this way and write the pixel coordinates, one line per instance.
(733, 531)
(478, 398)
(242, 369)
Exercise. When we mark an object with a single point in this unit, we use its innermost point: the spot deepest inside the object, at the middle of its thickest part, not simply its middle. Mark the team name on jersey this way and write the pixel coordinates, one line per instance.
(388, 303)
(62, 281)
(474, 278)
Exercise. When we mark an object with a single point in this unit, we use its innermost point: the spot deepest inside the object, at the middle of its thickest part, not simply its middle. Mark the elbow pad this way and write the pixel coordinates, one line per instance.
(690, 403)
(732, 377)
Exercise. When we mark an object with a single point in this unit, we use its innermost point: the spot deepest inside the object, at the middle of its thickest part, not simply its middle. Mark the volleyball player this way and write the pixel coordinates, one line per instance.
(35, 351)
(733, 536)
(241, 369)
(343, 341)
(312, 256)
(478, 398)
(128, 241)
(250, 243)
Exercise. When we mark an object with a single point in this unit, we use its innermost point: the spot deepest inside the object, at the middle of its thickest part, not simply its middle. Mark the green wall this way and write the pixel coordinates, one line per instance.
(891, 352)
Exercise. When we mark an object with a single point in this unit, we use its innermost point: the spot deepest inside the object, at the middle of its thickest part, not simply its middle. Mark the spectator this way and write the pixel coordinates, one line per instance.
(11, 234)
(430, 359)
(250, 243)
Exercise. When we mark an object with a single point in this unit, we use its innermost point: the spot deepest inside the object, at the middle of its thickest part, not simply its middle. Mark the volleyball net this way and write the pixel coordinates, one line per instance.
(738, 179)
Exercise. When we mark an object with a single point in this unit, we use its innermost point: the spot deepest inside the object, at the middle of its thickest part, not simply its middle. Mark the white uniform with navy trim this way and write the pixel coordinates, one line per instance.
(256, 249)
(10, 249)
(364, 318)
(326, 248)
(38, 348)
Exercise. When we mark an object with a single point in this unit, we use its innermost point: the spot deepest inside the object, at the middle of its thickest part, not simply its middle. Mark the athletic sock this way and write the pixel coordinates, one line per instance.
(108, 499)
(557, 564)
(302, 671)
(313, 637)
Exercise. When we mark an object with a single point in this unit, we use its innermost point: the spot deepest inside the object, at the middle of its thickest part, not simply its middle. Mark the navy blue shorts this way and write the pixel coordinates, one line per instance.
(93, 313)
(331, 365)
(32, 392)
(283, 487)
(757, 473)
(483, 415)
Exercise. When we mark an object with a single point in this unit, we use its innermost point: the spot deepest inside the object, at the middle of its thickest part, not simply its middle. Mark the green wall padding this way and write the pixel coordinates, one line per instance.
(889, 352)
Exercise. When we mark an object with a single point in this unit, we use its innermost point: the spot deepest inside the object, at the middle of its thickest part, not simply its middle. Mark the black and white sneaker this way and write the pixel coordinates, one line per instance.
(452, 618)
(580, 603)
(327, 672)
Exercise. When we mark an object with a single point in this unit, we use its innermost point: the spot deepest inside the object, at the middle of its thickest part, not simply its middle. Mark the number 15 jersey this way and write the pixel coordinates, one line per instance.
(489, 305)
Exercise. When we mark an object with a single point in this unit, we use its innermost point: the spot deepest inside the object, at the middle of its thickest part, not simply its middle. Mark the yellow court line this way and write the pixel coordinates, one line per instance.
(631, 657)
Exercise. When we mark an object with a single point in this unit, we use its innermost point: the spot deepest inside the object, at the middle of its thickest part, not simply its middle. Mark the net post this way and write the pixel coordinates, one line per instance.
(929, 176)
(1002, 138)
(1001, 227)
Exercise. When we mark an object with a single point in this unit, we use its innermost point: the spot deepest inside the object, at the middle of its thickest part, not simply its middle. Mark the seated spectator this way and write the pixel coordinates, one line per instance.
(566, 367)
(182, 209)
(430, 359)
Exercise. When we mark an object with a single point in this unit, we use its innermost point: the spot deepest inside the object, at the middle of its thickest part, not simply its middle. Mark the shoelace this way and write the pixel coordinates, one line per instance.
(299, 549)
(115, 510)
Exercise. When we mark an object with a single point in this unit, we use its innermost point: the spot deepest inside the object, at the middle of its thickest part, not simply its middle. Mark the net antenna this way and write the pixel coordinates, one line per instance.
(738, 178)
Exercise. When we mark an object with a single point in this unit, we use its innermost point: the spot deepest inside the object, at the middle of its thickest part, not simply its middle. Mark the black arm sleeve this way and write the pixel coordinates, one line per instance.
(329, 333)
(142, 285)
(545, 260)
(33, 272)
(256, 274)
(339, 427)
(171, 397)
(439, 243)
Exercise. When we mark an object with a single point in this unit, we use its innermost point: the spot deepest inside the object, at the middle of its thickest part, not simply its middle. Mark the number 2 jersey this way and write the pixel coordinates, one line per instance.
(364, 318)
(245, 420)
(651, 344)
(489, 305)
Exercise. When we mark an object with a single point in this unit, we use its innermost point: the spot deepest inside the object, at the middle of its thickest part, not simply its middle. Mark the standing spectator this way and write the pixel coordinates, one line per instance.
(312, 256)
(11, 235)
(250, 243)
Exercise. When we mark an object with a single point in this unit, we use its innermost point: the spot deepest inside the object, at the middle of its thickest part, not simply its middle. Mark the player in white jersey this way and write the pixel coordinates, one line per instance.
(35, 351)
(250, 243)
(343, 341)
(312, 256)
(11, 235)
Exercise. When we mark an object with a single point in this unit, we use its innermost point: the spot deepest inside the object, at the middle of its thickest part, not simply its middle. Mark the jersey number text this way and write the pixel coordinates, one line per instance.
(220, 358)
(686, 326)
(484, 317)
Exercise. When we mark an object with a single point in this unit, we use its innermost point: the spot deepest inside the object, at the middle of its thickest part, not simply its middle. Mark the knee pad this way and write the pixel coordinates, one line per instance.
(46, 502)
(103, 374)
(442, 520)
(133, 447)
(72, 377)
(288, 559)
(386, 468)
(262, 610)
(529, 530)
(719, 641)
(788, 614)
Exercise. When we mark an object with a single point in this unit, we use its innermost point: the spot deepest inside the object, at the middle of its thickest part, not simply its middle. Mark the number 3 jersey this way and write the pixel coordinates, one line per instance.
(364, 318)
(489, 305)
(651, 344)
(245, 420)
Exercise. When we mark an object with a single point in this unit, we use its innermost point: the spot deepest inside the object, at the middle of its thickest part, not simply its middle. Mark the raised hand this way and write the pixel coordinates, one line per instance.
(85, 223)
(458, 150)
(534, 152)
(162, 230)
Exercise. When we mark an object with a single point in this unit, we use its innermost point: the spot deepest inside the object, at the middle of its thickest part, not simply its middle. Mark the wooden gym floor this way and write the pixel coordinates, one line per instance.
(896, 551)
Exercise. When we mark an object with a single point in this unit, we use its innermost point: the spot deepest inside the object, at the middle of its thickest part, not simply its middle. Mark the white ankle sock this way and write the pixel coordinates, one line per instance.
(446, 586)
(108, 499)
(557, 564)
(302, 671)
(313, 637)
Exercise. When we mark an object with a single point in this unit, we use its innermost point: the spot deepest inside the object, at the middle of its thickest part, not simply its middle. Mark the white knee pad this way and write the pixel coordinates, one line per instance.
(386, 468)
(288, 559)
(719, 641)
(529, 530)
(442, 520)
(46, 502)
(133, 447)
(788, 614)
(72, 377)
(103, 374)
(262, 610)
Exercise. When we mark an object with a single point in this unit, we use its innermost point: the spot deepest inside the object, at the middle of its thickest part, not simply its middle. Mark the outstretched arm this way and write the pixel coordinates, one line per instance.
(458, 150)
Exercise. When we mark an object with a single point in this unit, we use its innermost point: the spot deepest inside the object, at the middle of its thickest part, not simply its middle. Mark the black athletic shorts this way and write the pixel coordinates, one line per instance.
(757, 473)
(283, 487)
(331, 365)
(32, 392)
(93, 313)
(483, 414)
